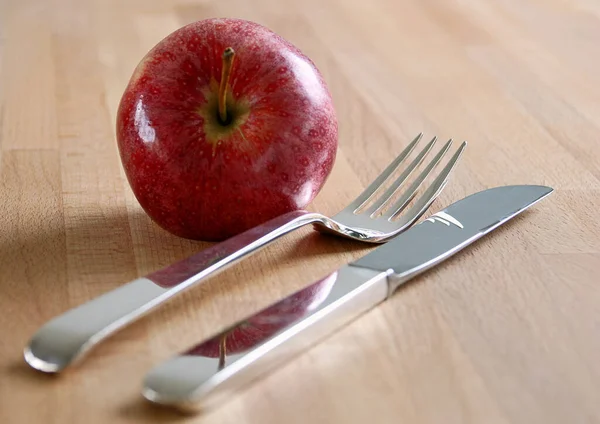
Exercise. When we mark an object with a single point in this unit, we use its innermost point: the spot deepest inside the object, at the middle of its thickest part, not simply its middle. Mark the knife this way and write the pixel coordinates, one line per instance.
(210, 372)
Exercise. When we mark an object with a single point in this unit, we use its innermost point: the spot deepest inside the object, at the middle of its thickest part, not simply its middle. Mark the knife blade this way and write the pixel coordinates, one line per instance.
(213, 370)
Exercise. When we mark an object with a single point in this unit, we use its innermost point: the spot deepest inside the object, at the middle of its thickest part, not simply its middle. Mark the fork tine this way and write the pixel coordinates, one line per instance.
(408, 195)
(432, 192)
(383, 200)
(368, 193)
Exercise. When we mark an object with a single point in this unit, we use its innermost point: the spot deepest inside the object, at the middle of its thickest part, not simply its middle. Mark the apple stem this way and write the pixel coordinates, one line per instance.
(222, 351)
(228, 55)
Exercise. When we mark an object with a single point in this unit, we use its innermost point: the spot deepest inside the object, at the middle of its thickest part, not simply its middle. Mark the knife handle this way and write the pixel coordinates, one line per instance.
(67, 338)
(207, 374)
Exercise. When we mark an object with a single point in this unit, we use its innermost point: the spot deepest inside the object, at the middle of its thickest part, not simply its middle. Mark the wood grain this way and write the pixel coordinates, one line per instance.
(505, 332)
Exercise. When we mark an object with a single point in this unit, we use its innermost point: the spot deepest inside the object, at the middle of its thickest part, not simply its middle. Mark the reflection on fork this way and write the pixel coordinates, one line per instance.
(384, 218)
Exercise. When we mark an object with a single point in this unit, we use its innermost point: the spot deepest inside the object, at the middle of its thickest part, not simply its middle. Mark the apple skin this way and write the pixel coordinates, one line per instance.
(264, 324)
(200, 179)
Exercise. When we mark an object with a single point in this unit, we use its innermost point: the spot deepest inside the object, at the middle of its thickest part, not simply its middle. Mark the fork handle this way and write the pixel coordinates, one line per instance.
(67, 338)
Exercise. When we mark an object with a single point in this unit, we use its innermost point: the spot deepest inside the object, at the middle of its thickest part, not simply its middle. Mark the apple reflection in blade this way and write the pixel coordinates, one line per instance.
(252, 331)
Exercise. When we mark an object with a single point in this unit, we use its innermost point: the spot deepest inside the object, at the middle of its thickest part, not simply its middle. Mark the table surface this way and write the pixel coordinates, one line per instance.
(505, 332)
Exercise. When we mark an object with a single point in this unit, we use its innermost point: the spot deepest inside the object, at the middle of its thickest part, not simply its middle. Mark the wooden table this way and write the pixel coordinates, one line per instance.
(505, 332)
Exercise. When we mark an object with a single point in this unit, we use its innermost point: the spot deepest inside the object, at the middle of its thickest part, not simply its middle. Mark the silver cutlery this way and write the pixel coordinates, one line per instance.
(214, 370)
(66, 339)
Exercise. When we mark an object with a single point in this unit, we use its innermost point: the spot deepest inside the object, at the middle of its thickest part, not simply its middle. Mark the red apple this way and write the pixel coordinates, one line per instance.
(264, 324)
(225, 125)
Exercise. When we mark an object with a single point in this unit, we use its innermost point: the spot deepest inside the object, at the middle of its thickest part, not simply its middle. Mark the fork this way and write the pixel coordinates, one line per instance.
(66, 339)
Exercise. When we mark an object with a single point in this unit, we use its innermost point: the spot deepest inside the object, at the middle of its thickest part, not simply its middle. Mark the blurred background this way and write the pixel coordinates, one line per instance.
(511, 337)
